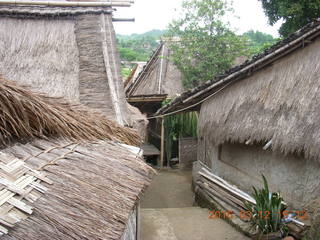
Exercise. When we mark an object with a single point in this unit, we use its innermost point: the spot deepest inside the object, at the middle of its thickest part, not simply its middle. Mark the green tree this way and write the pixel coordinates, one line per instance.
(294, 13)
(207, 46)
(258, 41)
(138, 47)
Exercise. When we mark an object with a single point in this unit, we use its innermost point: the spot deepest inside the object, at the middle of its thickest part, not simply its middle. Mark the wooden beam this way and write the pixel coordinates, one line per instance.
(161, 70)
(162, 143)
(147, 98)
(69, 4)
(123, 19)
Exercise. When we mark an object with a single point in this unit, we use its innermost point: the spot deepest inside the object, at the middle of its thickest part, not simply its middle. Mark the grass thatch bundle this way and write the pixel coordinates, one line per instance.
(25, 115)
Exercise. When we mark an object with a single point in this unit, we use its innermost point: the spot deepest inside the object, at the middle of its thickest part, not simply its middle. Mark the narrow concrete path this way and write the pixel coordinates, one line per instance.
(169, 189)
(190, 223)
(167, 212)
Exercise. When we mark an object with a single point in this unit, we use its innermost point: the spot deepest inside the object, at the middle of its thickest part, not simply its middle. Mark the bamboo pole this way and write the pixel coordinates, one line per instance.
(123, 19)
(161, 70)
(69, 4)
(162, 143)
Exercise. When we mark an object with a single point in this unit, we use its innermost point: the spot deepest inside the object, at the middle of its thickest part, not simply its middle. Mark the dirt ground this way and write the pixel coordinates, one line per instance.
(167, 212)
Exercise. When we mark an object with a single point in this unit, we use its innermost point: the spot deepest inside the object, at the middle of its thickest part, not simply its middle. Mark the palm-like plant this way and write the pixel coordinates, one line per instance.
(267, 212)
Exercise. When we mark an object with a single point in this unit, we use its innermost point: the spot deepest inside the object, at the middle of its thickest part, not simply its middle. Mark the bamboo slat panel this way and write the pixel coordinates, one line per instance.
(20, 185)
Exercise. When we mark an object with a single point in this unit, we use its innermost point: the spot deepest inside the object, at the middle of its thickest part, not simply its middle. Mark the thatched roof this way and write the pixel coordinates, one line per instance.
(67, 52)
(191, 100)
(159, 76)
(26, 115)
(94, 189)
(273, 97)
(81, 186)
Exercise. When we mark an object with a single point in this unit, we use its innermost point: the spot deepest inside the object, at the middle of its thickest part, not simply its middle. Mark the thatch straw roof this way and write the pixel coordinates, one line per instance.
(191, 100)
(26, 115)
(274, 97)
(86, 188)
(95, 188)
(67, 52)
(159, 76)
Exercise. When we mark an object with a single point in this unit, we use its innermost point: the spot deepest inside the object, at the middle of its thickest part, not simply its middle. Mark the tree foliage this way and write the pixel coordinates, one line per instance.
(258, 41)
(295, 14)
(138, 47)
(179, 125)
(207, 45)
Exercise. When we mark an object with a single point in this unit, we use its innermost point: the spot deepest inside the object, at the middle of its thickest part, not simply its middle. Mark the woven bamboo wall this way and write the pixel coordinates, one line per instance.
(187, 151)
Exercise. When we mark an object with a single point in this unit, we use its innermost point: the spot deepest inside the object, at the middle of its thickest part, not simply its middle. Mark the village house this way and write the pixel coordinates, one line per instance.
(67, 171)
(261, 117)
(73, 132)
(67, 50)
(157, 82)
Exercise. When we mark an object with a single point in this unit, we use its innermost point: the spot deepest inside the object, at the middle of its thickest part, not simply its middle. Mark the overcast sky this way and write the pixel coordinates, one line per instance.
(157, 14)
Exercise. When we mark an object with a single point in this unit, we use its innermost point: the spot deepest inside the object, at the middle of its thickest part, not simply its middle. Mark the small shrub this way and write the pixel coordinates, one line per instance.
(267, 212)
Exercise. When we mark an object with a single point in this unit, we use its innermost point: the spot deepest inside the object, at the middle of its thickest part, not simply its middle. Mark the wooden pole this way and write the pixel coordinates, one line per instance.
(161, 69)
(123, 19)
(162, 143)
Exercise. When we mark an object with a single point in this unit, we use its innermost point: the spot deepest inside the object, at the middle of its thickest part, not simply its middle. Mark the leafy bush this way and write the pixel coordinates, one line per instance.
(267, 212)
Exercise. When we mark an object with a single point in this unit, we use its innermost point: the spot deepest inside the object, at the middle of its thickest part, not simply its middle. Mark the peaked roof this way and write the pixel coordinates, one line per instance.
(191, 100)
(158, 77)
(75, 57)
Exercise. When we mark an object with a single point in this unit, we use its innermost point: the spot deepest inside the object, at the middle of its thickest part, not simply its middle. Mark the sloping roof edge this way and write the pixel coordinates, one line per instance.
(133, 86)
(191, 100)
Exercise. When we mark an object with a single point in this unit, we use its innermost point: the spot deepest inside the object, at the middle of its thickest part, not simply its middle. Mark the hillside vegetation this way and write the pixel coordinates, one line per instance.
(138, 47)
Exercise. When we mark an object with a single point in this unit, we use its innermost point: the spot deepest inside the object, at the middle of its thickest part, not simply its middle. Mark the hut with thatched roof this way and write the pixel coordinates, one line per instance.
(262, 117)
(66, 171)
(158, 80)
(65, 49)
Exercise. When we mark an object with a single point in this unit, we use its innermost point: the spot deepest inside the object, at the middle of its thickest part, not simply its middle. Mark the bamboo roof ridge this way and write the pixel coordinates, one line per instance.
(40, 9)
(23, 11)
(89, 3)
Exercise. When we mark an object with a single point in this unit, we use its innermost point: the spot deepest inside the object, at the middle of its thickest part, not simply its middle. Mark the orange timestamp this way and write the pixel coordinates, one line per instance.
(247, 215)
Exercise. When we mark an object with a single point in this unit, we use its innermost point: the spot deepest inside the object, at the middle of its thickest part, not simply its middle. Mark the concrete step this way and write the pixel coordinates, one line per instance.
(188, 223)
